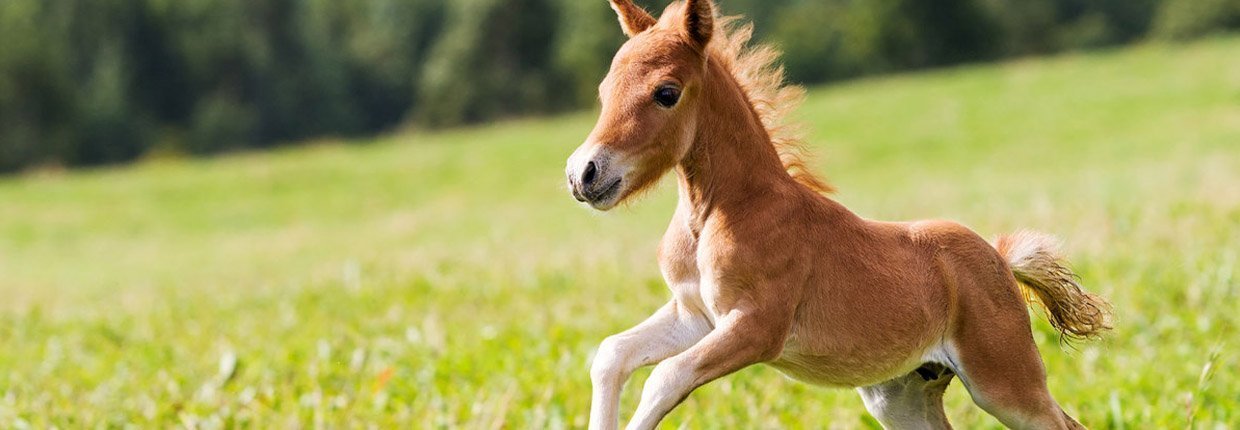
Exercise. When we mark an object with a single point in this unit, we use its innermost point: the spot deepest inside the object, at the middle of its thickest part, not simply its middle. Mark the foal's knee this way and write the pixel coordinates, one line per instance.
(609, 362)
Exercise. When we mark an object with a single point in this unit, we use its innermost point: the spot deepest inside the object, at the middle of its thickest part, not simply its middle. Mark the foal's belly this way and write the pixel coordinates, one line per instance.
(852, 345)
(847, 370)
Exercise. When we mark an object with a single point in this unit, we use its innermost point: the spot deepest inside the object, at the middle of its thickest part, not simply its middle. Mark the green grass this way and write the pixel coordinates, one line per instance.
(448, 280)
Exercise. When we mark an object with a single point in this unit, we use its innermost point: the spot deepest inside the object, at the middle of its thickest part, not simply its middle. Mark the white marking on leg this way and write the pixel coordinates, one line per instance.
(667, 332)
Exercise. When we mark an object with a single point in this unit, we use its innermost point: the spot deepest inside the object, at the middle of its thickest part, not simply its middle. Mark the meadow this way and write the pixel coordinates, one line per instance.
(448, 279)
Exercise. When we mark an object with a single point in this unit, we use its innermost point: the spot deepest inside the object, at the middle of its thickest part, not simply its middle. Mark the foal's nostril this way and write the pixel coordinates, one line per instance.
(587, 177)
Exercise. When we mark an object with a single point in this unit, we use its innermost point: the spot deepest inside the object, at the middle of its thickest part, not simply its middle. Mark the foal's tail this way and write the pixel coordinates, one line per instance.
(1035, 260)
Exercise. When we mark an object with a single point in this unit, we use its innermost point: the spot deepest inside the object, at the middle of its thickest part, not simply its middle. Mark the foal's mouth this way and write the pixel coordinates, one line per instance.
(603, 199)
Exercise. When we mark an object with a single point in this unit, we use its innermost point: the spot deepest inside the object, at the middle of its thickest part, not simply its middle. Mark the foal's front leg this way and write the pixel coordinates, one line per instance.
(742, 338)
(667, 332)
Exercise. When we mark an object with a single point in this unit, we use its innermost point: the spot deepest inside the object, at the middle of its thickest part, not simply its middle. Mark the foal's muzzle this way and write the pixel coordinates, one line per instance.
(592, 182)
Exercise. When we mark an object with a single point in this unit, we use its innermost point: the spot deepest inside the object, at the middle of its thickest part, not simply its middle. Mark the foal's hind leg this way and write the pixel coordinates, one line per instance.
(912, 401)
(993, 352)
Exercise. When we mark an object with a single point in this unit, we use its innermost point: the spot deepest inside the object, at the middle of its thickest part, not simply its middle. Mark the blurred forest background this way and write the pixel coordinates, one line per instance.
(86, 82)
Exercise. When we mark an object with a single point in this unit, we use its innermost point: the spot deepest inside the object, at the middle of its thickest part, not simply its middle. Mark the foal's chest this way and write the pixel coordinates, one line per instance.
(678, 261)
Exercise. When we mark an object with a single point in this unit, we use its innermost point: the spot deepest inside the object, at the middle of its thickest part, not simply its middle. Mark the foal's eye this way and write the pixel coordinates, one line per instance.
(667, 96)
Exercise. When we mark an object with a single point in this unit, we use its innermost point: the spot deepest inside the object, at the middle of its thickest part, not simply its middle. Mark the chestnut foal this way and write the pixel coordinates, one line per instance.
(763, 268)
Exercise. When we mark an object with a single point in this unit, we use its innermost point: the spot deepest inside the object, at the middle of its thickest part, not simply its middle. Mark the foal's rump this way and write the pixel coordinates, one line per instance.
(1037, 265)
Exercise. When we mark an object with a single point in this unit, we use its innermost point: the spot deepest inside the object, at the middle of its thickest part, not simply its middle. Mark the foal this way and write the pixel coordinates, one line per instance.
(764, 269)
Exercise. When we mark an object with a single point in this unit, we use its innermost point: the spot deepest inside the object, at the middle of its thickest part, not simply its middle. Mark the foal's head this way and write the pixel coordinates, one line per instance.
(649, 99)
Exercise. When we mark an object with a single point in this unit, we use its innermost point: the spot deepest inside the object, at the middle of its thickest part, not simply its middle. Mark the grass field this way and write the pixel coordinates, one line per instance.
(448, 280)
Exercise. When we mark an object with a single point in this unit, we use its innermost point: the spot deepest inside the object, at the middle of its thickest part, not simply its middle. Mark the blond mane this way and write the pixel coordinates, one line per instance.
(760, 75)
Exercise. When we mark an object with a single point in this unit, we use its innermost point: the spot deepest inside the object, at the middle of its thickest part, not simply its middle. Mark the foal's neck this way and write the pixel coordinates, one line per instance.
(731, 158)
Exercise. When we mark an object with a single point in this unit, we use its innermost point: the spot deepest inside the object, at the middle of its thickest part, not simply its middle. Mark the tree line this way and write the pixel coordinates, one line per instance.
(86, 82)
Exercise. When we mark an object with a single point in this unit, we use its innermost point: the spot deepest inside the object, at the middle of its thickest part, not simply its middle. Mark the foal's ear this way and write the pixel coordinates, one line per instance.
(699, 21)
(633, 19)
